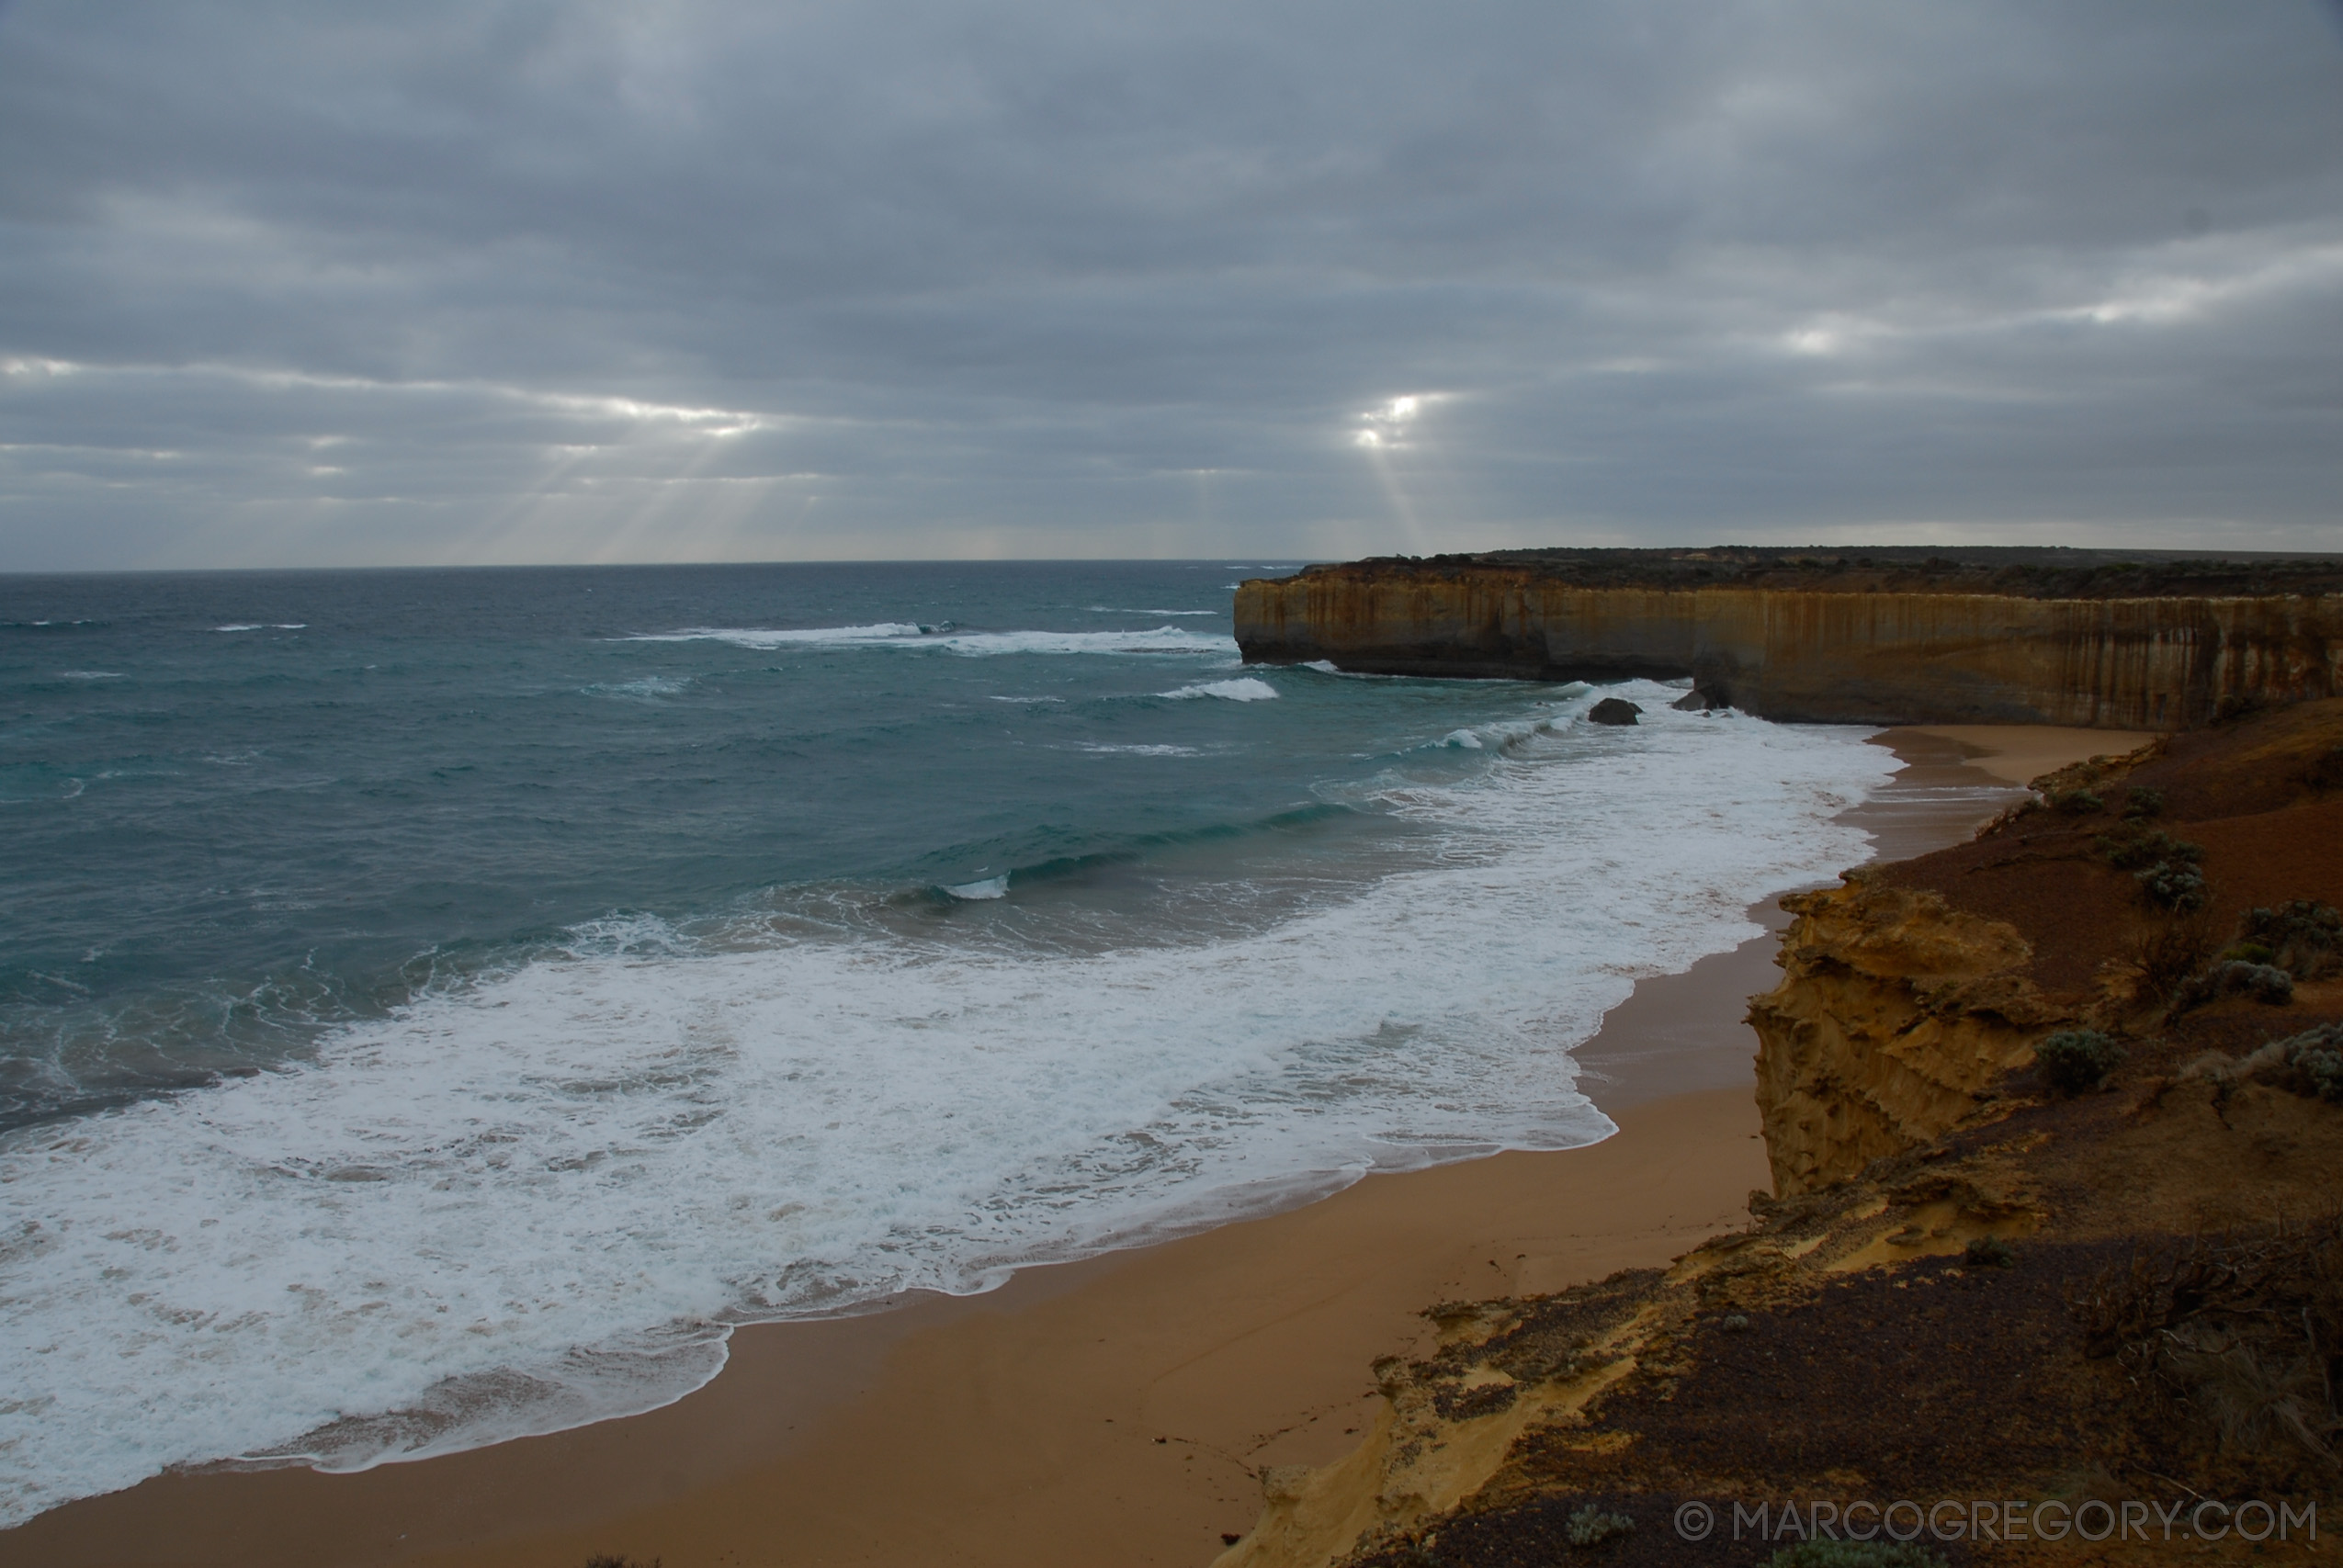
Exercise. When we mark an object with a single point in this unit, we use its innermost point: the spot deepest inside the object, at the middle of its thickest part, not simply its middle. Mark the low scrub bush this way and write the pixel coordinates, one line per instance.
(2299, 936)
(2299, 940)
(2076, 803)
(2235, 977)
(2173, 885)
(1592, 1526)
(2074, 1060)
(2323, 1071)
(2309, 1064)
(2140, 802)
(1989, 1252)
(2263, 981)
(2132, 845)
(2312, 1063)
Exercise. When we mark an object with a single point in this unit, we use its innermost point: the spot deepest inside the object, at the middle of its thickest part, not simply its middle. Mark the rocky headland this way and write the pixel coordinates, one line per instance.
(1889, 635)
(2054, 1119)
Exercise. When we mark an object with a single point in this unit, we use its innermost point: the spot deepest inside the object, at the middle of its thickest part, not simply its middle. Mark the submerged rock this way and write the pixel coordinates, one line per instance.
(1613, 710)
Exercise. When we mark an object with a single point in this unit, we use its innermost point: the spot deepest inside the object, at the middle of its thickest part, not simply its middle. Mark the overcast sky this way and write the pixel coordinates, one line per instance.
(307, 284)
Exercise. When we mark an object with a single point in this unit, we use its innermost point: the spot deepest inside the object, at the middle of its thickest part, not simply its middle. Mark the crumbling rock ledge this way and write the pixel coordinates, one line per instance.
(1894, 1014)
(1883, 635)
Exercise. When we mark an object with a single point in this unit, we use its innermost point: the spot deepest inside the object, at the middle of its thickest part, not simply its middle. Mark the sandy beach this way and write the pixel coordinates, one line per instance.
(2015, 753)
(1115, 1410)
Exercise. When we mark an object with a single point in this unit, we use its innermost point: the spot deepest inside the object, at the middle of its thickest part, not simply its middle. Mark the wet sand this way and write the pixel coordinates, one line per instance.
(1110, 1411)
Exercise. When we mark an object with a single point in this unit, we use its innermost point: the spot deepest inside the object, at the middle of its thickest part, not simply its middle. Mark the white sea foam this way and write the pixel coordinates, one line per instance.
(1113, 610)
(89, 674)
(1245, 689)
(650, 688)
(1105, 751)
(1158, 639)
(1511, 735)
(758, 636)
(988, 887)
(264, 626)
(544, 1196)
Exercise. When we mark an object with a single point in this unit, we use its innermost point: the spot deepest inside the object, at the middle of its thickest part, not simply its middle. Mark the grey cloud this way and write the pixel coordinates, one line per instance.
(431, 282)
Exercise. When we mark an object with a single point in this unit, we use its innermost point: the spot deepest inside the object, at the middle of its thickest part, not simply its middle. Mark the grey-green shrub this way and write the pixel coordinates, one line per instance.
(2325, 1070)
(1592, 1526)
(2173, 885)
(2263, 981)
(2074, 1060)
(2310, 1062)
(2134, 844)
(2300, 936)
(2315, 1060)
(2233, 975)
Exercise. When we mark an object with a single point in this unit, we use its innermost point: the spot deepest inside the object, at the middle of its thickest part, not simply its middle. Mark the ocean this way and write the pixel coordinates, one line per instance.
(439, 1005)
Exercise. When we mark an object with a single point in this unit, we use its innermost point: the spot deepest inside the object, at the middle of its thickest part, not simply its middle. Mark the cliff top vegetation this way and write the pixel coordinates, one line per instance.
(2015, 571)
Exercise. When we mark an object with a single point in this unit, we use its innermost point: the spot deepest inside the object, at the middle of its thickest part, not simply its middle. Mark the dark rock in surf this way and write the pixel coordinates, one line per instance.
(1613, 710)
(1702, 699)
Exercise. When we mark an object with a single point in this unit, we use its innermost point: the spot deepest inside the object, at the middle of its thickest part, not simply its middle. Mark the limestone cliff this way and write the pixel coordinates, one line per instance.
(1795, 636)
(1894, 1015)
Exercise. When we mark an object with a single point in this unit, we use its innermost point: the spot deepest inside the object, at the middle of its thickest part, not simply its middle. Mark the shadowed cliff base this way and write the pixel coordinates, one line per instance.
(1885, 634)
(2054, 1224)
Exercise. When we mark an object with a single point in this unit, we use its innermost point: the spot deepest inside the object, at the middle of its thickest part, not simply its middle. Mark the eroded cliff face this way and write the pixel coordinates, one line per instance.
(1517, 1391)
(1894, 1015)
(1829, 654)
(1447, 1426)
(1963, 1275)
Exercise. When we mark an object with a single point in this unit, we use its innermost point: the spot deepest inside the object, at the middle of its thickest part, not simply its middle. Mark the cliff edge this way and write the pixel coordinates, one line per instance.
(1883, 635)
(2055, 1118)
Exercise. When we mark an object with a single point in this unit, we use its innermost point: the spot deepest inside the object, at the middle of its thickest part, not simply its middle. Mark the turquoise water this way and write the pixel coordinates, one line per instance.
(439, 1005)
(243, 806)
